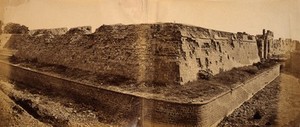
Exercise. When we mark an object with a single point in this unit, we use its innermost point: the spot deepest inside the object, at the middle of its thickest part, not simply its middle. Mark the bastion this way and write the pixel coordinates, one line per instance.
(163, 53)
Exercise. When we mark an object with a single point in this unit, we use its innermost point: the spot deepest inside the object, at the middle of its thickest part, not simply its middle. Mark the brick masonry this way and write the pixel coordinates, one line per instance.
(163, 53)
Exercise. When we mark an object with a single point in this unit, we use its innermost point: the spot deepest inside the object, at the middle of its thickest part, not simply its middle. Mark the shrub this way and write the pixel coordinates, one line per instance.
(14, 28)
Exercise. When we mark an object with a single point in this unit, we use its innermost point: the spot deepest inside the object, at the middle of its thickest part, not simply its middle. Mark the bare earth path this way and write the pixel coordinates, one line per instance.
(289, 101)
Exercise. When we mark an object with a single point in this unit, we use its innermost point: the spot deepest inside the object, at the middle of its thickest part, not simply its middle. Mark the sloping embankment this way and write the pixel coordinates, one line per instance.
(144, 108)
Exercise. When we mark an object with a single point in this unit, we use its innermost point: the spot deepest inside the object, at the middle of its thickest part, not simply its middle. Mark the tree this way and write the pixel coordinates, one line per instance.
(14, 28)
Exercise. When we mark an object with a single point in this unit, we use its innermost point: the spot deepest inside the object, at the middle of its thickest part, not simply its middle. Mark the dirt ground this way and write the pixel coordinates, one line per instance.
(24, 107)
(12, 115)
(289, 101)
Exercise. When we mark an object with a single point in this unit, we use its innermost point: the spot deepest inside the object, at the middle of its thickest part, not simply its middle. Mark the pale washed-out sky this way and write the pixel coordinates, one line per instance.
(251, 16)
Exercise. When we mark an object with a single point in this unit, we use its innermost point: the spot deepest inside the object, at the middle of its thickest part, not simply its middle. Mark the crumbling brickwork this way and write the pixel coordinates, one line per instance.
(55, 31)
(214, 51)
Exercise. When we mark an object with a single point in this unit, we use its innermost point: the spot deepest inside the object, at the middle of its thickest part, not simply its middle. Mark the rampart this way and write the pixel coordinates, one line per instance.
(163, 53)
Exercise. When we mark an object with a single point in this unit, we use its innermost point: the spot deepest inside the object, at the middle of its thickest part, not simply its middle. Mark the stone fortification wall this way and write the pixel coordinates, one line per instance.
(142, 53)
(110, 52)
(163, 53)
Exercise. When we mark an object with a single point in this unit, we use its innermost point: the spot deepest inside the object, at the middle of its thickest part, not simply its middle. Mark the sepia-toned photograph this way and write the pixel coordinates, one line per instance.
(149, 63)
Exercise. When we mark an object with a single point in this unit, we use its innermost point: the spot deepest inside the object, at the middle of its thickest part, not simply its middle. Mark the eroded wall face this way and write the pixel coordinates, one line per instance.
(282, 47)
(214, 52)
